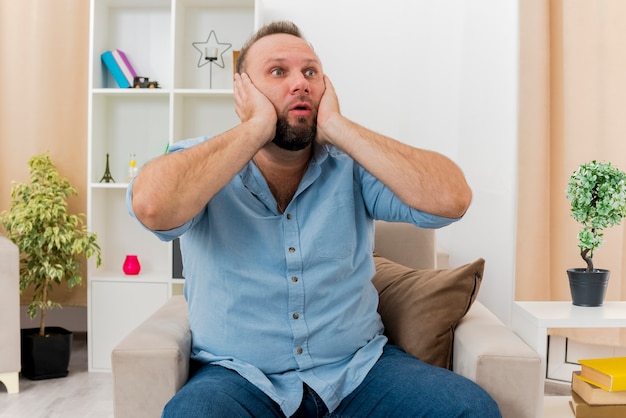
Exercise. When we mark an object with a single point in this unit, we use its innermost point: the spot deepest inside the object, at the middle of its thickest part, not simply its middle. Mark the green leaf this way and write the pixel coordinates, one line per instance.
(49, 238)
(597, 192)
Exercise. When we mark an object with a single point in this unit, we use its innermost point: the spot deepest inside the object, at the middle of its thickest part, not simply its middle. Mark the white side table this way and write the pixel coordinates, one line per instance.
(531, 321)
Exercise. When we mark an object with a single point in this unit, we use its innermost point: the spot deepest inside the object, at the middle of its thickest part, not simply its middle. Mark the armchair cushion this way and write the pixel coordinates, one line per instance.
(421, 308)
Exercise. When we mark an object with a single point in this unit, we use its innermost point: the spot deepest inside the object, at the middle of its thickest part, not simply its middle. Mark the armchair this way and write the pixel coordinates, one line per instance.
(152, 363)
(10, 362)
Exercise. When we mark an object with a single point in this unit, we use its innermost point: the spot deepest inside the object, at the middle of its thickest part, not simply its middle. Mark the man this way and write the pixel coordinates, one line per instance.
(276, 224)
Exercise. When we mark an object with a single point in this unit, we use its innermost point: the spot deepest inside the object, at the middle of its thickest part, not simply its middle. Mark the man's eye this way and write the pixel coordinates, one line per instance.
(310, 73)
(277, 71)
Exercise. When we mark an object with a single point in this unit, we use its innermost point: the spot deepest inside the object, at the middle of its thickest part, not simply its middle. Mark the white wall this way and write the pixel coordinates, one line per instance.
(73, 318)
(440, 75)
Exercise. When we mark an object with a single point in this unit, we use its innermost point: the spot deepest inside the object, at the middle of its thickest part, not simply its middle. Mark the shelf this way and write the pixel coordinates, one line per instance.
(119, 276)
(217, 4)
(122, 186)
(116, 91)
(135, 3)
(205, 92)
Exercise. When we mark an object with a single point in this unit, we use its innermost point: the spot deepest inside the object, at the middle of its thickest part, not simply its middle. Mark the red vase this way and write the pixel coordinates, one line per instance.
(131, 265)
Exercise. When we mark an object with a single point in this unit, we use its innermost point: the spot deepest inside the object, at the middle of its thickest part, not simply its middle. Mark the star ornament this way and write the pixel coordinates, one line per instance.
(205, 48)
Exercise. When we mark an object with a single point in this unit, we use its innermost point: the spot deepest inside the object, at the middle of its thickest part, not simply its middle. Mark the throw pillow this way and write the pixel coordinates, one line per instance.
(421, 308)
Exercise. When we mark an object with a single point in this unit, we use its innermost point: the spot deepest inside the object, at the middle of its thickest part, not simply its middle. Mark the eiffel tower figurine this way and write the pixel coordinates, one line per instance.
(107, 177)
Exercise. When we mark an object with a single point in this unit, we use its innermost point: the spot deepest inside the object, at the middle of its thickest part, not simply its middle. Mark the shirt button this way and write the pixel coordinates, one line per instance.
(292, 250)
(295, 315)
(289, 216)
(299, 350)
(294, 279)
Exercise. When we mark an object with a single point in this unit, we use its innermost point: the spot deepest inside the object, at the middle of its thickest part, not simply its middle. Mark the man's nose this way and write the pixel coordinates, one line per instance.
(299, 83)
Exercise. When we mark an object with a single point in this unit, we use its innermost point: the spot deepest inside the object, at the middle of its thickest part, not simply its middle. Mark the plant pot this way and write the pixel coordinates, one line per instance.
(46, 357)
(588, 288)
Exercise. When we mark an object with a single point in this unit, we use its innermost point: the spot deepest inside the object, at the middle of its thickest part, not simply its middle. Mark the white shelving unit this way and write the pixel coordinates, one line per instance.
(157, 37)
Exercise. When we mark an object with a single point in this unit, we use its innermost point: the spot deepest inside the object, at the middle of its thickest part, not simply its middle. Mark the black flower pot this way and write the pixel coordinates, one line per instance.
(588, 288)
(48, 356)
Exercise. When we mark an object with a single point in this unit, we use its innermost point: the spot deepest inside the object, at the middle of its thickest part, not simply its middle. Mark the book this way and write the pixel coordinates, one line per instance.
(608, 373)
(125, 65)
(114, 69)
(595, 395)
(581, 409)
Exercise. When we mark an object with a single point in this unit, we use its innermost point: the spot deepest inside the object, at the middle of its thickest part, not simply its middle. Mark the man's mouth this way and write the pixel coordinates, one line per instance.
(300, 109)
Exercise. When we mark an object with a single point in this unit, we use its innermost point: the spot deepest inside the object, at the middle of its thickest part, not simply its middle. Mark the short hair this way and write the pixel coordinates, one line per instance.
(273, 28)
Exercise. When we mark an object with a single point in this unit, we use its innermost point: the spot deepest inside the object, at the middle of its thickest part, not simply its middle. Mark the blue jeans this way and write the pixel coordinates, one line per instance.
(399, 385)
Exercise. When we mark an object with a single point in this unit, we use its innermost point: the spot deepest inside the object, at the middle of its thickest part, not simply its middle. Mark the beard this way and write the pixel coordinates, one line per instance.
(294, 138)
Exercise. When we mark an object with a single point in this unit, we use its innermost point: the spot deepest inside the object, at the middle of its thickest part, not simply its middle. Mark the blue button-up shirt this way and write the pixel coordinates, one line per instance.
(287, 298)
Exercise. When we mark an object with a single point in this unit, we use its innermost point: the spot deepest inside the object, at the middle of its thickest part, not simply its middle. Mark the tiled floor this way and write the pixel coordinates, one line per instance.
(79, 395)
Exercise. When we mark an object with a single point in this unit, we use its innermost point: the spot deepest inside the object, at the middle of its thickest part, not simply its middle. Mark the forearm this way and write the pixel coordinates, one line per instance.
(175, 187)
(424, 180)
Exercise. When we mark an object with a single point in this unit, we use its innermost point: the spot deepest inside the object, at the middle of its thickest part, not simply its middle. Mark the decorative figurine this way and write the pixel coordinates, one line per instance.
(107, 177)
(145, 83)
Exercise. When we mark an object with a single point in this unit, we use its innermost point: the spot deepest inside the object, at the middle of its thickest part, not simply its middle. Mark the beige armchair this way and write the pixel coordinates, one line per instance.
(152, 363)
(10, 363)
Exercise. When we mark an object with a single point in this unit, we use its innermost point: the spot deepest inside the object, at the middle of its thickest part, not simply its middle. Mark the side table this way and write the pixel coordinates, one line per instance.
(531, 321)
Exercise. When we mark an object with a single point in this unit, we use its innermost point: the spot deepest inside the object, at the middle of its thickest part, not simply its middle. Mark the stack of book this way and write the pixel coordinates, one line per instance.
(120, 67)
(599, 389)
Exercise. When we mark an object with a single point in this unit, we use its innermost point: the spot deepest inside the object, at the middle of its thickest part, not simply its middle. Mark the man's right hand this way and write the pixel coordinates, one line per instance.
(175, 187)
(253, 106)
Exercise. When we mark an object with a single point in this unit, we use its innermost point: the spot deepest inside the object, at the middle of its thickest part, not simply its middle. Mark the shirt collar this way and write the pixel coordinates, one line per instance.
(253, 180)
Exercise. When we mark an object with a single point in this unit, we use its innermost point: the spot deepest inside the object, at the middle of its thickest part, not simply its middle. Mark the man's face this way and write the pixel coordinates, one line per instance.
(287, 71)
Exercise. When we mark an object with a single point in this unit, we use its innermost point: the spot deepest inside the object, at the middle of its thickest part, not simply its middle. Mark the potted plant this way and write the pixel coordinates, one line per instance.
(598, 201)
(51, 243)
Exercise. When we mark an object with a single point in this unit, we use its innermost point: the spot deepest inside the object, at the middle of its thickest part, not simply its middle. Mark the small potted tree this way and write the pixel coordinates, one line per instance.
(51, 243)
(598, 201)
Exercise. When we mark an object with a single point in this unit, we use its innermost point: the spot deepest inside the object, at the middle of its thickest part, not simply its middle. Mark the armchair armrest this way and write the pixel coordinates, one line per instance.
(490, 354)
(10, 364)
(152, 362)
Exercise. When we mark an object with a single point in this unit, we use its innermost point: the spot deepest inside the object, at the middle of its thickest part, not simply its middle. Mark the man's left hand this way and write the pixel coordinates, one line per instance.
(327, 110)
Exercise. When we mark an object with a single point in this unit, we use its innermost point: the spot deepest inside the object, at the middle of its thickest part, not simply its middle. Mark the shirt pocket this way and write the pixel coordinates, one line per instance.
(337, 239)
